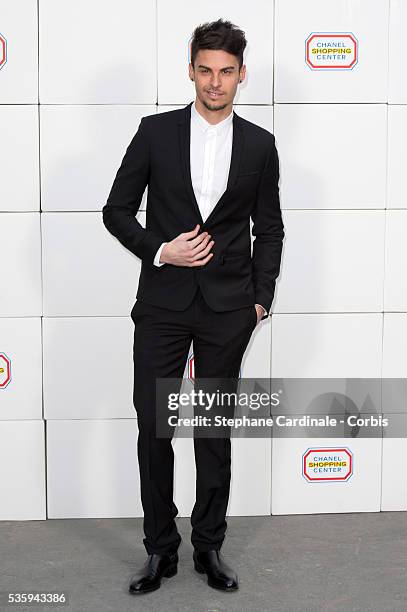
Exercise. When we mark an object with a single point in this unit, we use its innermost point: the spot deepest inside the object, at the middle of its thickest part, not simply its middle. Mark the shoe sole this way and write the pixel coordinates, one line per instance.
(201, 570)
(169, 572)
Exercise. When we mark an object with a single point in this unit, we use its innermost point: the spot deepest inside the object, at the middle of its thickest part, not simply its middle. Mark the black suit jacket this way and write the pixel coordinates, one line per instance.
(159, 156)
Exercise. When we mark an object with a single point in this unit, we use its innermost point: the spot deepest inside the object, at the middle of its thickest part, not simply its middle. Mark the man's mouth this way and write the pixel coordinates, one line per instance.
(214, 94)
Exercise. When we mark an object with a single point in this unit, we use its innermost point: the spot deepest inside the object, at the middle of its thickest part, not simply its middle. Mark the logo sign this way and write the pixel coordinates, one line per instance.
(331, 51)
(327, 464)
(5, 370)
(3, 51)
(191, 369)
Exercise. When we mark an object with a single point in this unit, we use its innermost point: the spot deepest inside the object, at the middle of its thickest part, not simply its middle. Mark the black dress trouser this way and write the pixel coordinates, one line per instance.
(162, 339)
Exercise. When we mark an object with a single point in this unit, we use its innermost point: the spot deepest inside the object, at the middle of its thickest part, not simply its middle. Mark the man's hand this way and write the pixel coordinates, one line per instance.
(259, 311)
(188, 249)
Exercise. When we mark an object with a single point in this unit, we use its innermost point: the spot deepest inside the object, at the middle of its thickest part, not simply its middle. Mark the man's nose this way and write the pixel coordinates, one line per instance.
(215, 82)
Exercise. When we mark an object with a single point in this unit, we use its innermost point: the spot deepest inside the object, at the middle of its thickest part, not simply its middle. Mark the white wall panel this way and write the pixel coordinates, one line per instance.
(333, 262)
(88, 368)
(397, 93)
(250, 492)
(22, 471)
(96, 53)
(332, 155)
(394, 485)
(291, 493)
(295, 81)
(174, 84)
(82, 148)
(86, 270)
(395, 280)
(92, 469)
(19, 74)
(19, 158)
(20, 368)
(20, 286)
(326, 345)
(397, 156)
(394, 345)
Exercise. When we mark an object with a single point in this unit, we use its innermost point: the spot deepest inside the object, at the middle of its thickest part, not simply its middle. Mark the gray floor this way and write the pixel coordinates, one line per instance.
(345, 562)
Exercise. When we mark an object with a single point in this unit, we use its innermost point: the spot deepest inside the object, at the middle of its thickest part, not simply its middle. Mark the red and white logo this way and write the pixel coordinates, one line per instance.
(3, 51)
(5, 370)
(191, 369)
(327, 464)
(331, 51)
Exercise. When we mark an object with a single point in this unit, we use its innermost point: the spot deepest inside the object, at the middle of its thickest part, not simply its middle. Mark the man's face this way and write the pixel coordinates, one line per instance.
(216, 77)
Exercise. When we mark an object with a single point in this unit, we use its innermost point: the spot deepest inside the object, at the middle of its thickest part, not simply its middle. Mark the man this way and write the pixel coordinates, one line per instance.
(208, 171)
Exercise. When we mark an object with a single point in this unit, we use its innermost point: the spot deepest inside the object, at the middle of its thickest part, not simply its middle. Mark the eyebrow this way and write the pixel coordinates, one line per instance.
(225, 68)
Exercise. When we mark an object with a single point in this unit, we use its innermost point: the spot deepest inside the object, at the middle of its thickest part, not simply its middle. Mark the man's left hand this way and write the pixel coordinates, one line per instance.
(260, 312)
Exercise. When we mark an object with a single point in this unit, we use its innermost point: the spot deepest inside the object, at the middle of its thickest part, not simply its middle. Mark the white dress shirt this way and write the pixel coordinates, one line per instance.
(210, 155)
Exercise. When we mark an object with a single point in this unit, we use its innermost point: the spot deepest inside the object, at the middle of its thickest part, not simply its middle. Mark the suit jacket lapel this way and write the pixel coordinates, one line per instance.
(184, 133)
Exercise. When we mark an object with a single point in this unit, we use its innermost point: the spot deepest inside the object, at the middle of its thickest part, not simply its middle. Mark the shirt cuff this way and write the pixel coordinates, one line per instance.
(157, 261)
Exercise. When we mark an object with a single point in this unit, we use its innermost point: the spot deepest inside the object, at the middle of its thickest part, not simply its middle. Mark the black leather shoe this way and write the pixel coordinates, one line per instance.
(149, 577)
(220, 575)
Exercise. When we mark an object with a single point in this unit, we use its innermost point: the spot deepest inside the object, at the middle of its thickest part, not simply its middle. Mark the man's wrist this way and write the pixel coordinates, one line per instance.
(157, 261)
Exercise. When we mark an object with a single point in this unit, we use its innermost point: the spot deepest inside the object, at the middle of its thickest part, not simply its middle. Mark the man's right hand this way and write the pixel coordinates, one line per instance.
(188, 249)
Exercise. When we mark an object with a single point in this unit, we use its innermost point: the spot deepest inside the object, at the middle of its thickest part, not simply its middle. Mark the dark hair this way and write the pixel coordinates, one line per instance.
(218, 34)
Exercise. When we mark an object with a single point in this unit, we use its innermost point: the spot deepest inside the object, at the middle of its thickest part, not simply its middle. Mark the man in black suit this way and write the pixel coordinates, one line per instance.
(208, 171)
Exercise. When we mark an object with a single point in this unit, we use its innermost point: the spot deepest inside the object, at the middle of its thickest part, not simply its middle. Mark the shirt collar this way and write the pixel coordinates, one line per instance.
(204, 124)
